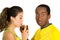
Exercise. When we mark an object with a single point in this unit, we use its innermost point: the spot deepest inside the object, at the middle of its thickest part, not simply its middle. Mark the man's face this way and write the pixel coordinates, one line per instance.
(42, 16)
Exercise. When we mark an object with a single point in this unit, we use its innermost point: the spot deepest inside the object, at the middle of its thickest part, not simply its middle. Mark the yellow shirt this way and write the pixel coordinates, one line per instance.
(48, 33)
(17, 38)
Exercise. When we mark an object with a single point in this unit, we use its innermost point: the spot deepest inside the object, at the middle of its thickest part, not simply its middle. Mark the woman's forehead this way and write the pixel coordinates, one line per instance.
(20, 14)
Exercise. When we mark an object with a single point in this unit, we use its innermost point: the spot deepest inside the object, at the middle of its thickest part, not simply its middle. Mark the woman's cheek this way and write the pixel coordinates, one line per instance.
(19, 23)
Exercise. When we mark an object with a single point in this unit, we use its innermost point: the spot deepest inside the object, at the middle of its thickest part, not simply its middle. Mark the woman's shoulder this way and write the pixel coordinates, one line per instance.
(8, 35)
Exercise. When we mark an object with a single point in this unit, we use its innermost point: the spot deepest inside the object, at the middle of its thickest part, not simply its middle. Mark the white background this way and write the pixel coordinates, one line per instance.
(29, 13)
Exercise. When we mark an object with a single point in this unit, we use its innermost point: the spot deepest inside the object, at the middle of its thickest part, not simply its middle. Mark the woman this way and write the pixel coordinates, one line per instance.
(10, 18)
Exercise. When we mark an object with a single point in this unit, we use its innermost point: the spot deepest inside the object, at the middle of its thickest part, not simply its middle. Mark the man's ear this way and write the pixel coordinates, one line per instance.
(49, 16)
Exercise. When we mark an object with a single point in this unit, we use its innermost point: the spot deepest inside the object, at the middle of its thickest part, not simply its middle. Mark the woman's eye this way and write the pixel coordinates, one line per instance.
(20, 18)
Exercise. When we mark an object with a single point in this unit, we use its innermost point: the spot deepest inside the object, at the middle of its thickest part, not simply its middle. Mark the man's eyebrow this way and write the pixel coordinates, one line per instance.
(43, 12)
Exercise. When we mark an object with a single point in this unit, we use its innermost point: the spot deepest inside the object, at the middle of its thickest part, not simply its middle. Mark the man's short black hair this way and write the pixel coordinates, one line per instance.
(46, 6)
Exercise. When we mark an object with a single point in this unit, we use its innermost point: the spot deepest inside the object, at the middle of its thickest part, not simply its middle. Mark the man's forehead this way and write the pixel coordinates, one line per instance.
(40, 8)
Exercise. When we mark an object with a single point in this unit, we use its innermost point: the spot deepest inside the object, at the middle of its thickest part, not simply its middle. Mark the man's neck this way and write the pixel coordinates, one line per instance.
(47, 24)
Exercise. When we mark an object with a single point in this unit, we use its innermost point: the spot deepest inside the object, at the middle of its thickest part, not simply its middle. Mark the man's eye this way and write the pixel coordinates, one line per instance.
(42, 14)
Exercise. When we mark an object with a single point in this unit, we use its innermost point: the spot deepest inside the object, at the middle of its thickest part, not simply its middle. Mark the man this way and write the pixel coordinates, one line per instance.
(47, 31)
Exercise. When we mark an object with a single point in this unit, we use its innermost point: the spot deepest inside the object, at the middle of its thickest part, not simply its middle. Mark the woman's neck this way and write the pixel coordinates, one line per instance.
(11, 27)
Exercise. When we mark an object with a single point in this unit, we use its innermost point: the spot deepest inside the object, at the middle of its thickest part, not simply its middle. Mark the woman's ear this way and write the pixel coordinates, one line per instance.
(12, 18)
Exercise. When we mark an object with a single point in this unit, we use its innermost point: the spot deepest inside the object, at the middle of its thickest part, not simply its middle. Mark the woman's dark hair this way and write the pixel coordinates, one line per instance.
(6, 14)
(46, 6)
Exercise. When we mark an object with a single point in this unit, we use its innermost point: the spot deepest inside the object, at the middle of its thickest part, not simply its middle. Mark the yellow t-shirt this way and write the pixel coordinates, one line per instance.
(17, 38)
(48, 33)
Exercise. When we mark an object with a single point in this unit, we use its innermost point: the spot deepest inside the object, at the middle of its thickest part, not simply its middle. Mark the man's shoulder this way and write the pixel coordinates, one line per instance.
(35, 37)
(54, 28)
(37, 31)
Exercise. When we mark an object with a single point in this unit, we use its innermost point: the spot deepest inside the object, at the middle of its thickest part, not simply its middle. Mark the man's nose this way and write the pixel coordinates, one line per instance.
(40, 18)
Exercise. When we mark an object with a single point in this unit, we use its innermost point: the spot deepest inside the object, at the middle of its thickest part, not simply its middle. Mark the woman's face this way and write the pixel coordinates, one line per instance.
(18, 20)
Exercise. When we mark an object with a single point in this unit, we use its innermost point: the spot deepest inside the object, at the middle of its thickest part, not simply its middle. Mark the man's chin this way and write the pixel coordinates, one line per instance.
(40, 25)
